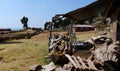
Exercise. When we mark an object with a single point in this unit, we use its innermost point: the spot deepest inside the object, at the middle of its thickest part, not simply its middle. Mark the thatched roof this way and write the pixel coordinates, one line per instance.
(113, 6)
(88, 11)
(75, 26)
(94, 8)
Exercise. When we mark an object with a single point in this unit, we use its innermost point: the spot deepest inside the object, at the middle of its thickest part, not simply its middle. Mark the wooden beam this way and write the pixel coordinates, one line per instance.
(114, 31)
(115, 24)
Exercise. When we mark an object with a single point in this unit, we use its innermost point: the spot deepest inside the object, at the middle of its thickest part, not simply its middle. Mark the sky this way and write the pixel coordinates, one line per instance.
(37, 11)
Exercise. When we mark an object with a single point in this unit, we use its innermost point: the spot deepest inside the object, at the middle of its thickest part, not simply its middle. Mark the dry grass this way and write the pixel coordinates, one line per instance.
(18, 55)
(85, 36)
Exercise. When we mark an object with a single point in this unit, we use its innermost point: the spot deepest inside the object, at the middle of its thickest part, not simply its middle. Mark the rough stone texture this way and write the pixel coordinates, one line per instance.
(35, 67)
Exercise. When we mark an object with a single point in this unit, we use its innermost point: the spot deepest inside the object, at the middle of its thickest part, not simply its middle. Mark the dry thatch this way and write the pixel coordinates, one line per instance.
(88, 11)
(109, 6)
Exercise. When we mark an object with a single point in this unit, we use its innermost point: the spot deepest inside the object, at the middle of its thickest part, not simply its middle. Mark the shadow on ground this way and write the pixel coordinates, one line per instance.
(10, 42)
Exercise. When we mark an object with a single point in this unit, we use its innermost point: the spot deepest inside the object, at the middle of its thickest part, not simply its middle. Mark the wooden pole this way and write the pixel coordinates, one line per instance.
(114, 22)
(70, 28)
(50, 36)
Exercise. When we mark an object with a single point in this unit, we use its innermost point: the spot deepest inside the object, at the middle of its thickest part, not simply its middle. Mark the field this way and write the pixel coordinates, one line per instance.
(18, 55)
